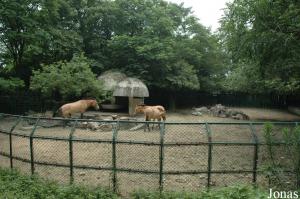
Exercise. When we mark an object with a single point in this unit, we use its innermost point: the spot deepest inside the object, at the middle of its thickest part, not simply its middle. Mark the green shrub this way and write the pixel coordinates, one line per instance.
(13, 185)
(73, 79)
(11, 84)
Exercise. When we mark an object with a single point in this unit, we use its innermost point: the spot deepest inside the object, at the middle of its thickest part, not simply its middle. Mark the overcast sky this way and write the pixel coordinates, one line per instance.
(208, 11)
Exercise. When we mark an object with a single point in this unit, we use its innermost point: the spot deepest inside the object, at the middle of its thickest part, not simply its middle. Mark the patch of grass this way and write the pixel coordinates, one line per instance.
(235, 192)
(13, 185)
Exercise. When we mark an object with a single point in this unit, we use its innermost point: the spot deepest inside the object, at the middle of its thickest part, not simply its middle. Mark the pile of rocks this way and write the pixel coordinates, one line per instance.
(221, 111)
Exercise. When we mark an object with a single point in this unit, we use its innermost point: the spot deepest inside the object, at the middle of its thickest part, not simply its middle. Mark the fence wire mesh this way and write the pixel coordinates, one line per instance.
(125, 156)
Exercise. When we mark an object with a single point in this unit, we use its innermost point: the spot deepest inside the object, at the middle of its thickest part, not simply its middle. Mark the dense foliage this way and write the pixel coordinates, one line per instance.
(262, 39)
(160, 42)
(13, 185)
(67, 79)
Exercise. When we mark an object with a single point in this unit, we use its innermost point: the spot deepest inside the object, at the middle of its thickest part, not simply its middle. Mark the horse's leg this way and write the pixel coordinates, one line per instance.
(158, 125)
(147, 124)
(81, 115)
(153, 124)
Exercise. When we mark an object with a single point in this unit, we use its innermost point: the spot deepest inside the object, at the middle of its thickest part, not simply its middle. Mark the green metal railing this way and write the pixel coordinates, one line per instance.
(162, 144)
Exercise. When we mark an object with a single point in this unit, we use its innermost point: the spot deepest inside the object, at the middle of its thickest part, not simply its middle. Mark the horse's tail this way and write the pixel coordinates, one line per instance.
(58, 112)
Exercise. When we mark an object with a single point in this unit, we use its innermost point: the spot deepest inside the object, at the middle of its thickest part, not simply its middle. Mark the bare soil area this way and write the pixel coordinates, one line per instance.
(177, 158)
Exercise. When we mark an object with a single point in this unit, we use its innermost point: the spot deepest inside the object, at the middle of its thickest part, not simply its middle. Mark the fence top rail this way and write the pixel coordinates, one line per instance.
(152, 122)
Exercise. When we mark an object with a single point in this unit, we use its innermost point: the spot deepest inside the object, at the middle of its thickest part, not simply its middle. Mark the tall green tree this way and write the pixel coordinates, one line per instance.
(263, 42)
(35, 31)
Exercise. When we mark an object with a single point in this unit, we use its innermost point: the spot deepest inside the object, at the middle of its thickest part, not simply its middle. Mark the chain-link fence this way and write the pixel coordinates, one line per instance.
(171, 156)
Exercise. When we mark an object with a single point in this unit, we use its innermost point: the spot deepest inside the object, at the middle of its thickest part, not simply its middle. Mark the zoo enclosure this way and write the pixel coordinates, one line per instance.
(218, 155)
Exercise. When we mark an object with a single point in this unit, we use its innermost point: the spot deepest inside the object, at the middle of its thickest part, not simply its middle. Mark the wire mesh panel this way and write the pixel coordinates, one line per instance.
(23, 166)
(24, 127)
(232, 157)
(92, 154)
(138, 133)
(231, 133)
(103, 133)
(4, 161)
(93, 178)
(128, 182)
(229, 179)
(4, 143)
(20, 147)
(191, 182)
(7, 122)
(51, 151)
(59, 174)
(49, 128)
(137, 157)
(185, 158)
(185, 151)
(185, 133)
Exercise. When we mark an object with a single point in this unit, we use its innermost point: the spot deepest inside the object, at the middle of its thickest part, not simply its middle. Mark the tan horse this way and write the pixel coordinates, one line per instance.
(79, 106)
(151, 113)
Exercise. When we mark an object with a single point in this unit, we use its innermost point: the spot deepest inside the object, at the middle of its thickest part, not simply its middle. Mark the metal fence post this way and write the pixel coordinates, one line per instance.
(209, 160)
(71, 152)
(255, 156)
(114, 156)
(10, 141)
(31, 146)
(161, 156)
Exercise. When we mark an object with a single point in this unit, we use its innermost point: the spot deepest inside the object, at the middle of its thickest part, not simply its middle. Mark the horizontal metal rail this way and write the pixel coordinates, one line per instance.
(129, 142)
(150, 122)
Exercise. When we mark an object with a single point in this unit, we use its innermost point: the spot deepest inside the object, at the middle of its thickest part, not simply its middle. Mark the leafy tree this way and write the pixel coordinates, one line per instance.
(264, 35)
(164, 44)
(68, 80)
(35, 31)
(10, 85)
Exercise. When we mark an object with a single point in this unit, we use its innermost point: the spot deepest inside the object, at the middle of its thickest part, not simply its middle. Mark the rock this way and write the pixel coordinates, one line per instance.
(196, 113)
(105, 127)
(93, 125)
(202, 109)
(218, 110)
(239, 116)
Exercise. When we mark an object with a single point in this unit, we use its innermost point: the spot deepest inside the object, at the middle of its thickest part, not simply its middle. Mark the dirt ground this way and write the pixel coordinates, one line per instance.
(146, 157)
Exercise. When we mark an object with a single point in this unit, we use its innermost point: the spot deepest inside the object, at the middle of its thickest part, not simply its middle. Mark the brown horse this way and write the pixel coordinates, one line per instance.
(79, 106)
(151, 113)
